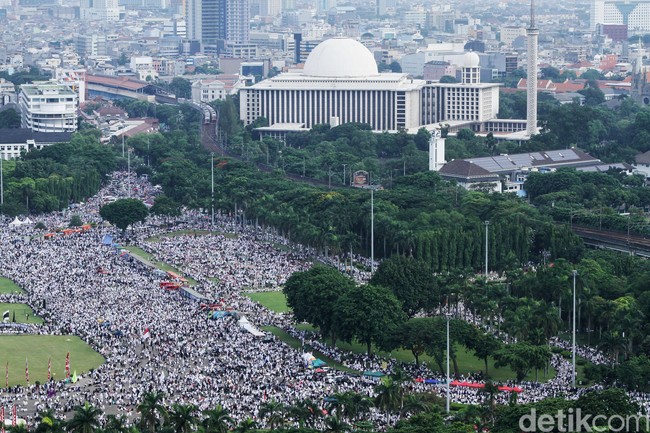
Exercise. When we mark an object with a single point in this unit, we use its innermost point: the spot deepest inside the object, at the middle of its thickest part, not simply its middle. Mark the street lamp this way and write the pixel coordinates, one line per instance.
(487, 224)
(212, 191)
(448, 380)
(372, 230)
(573, 345)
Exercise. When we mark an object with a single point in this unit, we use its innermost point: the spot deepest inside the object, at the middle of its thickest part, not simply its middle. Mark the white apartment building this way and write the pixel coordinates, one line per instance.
(144, 67)
(510, 33)
(48, 107)
(635, 14)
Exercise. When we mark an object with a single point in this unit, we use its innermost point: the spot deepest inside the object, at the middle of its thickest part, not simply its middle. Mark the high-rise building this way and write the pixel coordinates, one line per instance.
(48, 107)
(383, 6)
(634, 14)
(217, 22)
(99, 10)
(90, 45)
(532, 33)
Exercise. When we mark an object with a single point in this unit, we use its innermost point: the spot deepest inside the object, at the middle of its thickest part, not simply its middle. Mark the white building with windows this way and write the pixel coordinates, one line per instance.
(48, 107)
(217, 88)
(635, 14)
(340, 83)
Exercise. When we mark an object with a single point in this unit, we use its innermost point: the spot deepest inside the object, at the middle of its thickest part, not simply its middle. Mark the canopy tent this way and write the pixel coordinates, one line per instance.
(318, 363)
(107, 239)
(49, 235)
(28, 221)
(16, 222)
(369, 373)
(246, 325)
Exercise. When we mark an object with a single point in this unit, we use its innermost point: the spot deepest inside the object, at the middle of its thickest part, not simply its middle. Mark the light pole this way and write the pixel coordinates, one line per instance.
(447, 381)
(128, 171)
(212, 192)
(573, 345)
(372, 230)
(344, 165)
(487, 224)
(2, 185)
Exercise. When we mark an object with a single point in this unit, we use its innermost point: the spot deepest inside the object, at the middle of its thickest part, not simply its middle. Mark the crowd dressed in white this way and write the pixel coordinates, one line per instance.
(188, 356)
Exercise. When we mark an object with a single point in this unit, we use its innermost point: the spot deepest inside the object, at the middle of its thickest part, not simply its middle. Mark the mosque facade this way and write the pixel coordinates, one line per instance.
(340, 83)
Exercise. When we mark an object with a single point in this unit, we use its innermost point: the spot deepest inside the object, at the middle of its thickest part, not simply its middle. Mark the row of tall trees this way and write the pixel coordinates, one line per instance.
(51, 178)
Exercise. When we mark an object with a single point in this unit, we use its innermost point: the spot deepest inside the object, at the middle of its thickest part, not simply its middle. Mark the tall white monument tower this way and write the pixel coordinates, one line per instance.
(436, 151)
(532, 33)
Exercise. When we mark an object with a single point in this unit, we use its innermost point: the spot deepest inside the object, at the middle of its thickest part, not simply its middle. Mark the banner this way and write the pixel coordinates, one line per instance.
(13, 416)
(67, 365)
(49, 369)
(26, 371)
(2, 419)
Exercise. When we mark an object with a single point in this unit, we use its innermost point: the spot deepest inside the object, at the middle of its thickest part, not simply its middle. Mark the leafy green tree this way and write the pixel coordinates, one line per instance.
(411, 281)
(448, 79)
(181, 87)
(163, 205)
(116, 424)
(9, 119)
(246, 425)
(75, 221)
(314, 294)
(124, 212)
(367, 313)
(85, 419)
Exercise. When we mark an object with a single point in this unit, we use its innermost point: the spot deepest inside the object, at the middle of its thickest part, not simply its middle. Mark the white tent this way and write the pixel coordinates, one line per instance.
(245, 324)
(28, 221)
(16, 222)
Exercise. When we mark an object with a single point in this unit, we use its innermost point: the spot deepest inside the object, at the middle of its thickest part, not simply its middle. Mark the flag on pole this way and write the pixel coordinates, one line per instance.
(146, 334)
(49, 369)
(26, 371)
(67, 365)
(13, 416)
(74, 377)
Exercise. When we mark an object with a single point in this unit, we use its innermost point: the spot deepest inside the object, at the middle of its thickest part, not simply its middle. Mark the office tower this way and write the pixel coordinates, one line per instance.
(217, 22)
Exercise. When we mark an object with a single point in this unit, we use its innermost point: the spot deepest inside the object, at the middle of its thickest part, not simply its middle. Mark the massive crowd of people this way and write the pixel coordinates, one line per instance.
(187, 356)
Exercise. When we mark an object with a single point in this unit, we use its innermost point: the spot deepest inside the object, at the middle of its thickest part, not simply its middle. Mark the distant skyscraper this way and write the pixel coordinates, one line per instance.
(384, 5)
(217, 22)
(532, 33)
(325, 5)
(634, 14)
(99, 10)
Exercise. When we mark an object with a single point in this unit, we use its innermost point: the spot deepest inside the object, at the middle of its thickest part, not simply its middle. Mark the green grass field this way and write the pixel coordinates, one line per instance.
(21, 310)
(160, 265)
(37, 349)
(8, 286)
(190, 233)
(274, 301)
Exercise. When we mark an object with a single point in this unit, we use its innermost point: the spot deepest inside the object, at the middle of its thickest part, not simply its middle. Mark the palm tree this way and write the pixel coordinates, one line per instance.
(300, 412)
(152, 411)
(116, 424)
(333, 424)
(246, 425)
(182, 418)
(355, 405)
(414, 404)
(18, 428)
(389, 396)
(49, 423)
(217, 420)
(275, 412)
(85, 420)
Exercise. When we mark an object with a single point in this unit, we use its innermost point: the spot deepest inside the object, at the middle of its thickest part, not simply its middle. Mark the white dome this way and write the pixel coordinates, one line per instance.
(340, 57)
(471, 60)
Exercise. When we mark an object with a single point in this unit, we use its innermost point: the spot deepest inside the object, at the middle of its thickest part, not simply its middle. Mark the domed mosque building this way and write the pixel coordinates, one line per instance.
(340, 83)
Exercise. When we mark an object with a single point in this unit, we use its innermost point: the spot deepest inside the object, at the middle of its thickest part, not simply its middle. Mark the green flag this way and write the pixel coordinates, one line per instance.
(74, 377)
